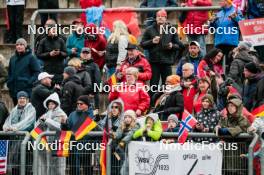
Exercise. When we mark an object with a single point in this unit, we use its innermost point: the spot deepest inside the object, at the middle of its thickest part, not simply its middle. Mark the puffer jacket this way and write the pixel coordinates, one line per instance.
(196, 18)
(158, 53)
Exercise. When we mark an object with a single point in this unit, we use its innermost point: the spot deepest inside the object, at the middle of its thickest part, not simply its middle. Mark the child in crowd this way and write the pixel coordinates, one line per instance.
(173, 126)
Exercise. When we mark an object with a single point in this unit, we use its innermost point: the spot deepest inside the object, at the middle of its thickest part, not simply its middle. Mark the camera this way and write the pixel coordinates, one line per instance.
(223, 88)
(90, 37)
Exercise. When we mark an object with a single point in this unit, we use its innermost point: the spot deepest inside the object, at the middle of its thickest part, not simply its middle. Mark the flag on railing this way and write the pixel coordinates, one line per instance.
(83, 126)
(103, 151)
(3, 156)
(112, 80)
(258, 111)
(37, 131)
(62, 140)
(187, 123)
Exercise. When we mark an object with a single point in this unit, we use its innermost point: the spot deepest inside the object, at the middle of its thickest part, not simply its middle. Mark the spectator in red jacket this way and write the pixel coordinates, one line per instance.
(189, 86)
(211, 63)
(97, 43)
(196, 19)
(135, 59)
(131, 93)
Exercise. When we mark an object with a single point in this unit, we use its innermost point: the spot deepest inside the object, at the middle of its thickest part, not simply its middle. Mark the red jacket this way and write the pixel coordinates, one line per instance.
(142, 64)
(197, 18)
(188, 95)
(197, 102)
(99, 45)
(134, 99)
(203, 69)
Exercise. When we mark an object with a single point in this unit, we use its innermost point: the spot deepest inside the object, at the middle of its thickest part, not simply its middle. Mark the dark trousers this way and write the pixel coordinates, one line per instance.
(48, 4)
(159, 70)
(226, 49)
(16, 18)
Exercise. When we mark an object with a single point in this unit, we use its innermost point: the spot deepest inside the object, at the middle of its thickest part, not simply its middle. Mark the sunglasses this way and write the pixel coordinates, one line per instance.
(116, 107)
(80, 103)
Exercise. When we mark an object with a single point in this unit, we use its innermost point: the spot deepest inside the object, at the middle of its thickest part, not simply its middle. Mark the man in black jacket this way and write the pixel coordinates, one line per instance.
(41, 92)
(52, 50)
(163, 48)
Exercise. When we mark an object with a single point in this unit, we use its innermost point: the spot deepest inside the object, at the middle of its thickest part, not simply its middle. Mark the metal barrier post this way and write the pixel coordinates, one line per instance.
(23, 154)
(108, 157)
(250, 153)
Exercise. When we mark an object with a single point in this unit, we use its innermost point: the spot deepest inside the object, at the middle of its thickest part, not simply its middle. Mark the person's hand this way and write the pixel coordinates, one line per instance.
(194, 1)
(101, 53)
(251, 129)
(52, 53)
(243, 155)
(121, 144)
(183, 4)
(217, 129)
(170, 45)
(187, 84)
(212, 73)
(57, 52)
(74, 50)
(43, 117)
(63, 119)
(206, 130)
(138, 112)
(233, 15)
(156, 39)
(119, 75)
(96, 112)
(199, 126)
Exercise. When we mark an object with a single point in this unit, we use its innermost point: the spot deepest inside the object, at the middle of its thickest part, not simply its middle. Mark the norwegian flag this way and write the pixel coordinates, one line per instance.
(3, 156)
(187, 123)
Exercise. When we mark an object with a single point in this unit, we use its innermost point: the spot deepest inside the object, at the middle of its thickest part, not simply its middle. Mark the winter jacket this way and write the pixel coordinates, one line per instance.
(85, 79)
(21, 119)
(22, 72)
(235, 124)
(237, 66)
(53, 117)
(71, 90)
(15, 2)
(170, 103)
(158, 53)
(189, 92)
(152, 135)
(196, 18)
(116, 52)
(143, 66)
(75, 41)
(93, 71)
(134, 97)
(188, 59)
(227, 35)
(52, 65)
(39, 94)
(100, 45)
(259, 95)
(197, 102)
(249, 91)
(203, 69)
(3, 114)
(3, 75)
(157, 3)
(113, 122)
(255, 9)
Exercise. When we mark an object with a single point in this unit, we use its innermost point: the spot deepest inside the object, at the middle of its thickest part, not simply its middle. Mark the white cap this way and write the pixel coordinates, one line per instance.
(43, 75)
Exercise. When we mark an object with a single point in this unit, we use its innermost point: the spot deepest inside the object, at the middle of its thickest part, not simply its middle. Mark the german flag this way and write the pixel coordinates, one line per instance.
(37, 131)
(62, 139)
(258, 111)
(112, 80)
(83, 126)
(103, 151)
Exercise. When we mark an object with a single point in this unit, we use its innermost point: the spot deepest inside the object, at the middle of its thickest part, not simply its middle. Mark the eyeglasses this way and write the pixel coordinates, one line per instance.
(86, 52)
(116, 107)
(80, 104)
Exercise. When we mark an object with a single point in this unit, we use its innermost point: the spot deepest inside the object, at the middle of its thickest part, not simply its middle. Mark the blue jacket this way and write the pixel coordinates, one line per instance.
(227, 24)
(255, 9)
(75, 41)
(22, 72)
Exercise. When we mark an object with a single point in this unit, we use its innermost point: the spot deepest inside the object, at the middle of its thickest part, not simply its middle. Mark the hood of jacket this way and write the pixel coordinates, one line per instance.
(119, 101)
(53, 97)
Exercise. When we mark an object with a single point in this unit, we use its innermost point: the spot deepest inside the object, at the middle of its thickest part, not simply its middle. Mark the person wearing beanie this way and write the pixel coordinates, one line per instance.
(253, 75)
(163, 47)
(170, 101)
(207, 118)
(173, 123)
(23, 116)
(23, 70)
(71, 90)
(150, 130)
(122, 137)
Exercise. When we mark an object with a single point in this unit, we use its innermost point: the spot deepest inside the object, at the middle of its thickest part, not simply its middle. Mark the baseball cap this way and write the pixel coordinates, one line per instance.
(43, 75)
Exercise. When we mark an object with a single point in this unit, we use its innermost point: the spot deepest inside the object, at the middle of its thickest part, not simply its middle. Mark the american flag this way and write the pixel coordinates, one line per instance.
(3, 156)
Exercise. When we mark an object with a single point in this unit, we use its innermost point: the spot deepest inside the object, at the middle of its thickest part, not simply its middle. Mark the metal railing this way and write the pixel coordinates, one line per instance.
(36, 12)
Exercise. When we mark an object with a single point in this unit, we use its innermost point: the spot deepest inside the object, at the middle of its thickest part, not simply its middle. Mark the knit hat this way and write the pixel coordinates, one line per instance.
(70, 71)
(22, 94)
(208, 97)
(131, 113)
(84, 99)
(173, 79)
(174, 118)
(252, 67)
(162, 13)
(153, 116)
(21, 41)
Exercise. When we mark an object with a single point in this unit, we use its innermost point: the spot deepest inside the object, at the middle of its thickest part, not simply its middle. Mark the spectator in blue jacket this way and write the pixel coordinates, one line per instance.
(75, 42)
(227, 30)
(22, 71)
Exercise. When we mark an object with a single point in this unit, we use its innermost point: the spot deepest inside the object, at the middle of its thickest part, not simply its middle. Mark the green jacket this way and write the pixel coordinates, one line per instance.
(154, 134)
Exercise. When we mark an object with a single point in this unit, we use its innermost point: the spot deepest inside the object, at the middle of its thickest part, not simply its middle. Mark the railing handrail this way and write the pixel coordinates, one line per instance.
(13, 133)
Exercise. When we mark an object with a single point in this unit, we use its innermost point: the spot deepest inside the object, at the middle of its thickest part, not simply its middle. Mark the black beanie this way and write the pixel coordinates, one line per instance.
(252, 67)
(84, 99)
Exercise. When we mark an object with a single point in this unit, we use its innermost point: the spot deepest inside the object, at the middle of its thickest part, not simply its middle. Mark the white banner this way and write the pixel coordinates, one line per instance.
(149, 158)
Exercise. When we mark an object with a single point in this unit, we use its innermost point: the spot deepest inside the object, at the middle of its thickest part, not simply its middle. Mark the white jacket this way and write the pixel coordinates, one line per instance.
(15, 2)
